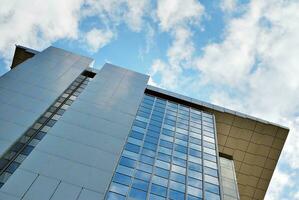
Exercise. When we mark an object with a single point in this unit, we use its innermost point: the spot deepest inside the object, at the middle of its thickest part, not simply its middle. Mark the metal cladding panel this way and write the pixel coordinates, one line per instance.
(83, 147)
(26, 93)
(30, 88)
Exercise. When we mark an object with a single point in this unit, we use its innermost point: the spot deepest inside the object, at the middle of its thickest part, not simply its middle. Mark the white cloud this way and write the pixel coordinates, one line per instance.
(169, 74)
(179, 55)
(136, 10)
(36, 24)
(258, 61)
(115, 12)
(177, 18)
(254, 69)
(97, 38)
(230, 61)
(182, 47)
(255, 60)
(281, 180)
(228, 5)
(149, 40)
(172, 13)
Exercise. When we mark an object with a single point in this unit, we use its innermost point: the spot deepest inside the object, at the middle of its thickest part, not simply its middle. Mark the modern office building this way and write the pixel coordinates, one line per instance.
(69, 131)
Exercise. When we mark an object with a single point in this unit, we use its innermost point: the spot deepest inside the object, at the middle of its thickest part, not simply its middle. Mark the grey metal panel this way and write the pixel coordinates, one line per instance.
(97, 139)
(66, 170)
(21, 101)
(19, 183)
(90, 195)
(10, 131)
(4, 145)
(95, 123)
(77, 152)
(66, 191)
(102, 111)
(16, 115)
(4, 196)
(29, 90)
(42, 188)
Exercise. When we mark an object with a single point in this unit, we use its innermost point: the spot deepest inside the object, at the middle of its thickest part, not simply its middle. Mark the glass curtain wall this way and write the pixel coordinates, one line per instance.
(170, 153)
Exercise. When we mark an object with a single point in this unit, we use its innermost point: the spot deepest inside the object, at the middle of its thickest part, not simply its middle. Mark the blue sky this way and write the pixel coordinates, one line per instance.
(239, 54)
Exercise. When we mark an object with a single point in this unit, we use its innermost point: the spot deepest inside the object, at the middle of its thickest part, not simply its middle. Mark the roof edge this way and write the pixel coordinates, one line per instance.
(211, 106)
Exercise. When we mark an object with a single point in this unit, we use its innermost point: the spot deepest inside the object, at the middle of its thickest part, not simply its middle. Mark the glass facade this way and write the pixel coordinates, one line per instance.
(170, 153)
(228, 179)
(13, 158)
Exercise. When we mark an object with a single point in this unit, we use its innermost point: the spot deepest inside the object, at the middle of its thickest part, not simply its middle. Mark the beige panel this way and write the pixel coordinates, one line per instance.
(274, 153)
(266, 174)
(239, 155)
(244, 123)
(224, 118)
(278, 143)
(256, 171)
(221, 139)
(262, 184)
(249, 191)
(255, 148)
(259, 194)
(223, 128)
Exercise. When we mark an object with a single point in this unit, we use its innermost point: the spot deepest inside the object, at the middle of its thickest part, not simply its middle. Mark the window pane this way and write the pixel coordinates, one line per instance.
(132, 147)
(119, 188)
(159, 181)
(194, 191)
(177, 186)
(114, 196)
(162, 172)
(137, 194)
(121, 178)
(194, 182)
(127, 162)
(142, 175)
(140, 184)
(175, 195)
(159, 190)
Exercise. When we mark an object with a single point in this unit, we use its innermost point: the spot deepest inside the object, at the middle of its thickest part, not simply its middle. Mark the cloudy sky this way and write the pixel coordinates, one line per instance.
(242, 55)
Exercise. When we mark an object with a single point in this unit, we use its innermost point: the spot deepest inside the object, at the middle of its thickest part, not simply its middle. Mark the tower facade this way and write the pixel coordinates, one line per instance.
(69, 131)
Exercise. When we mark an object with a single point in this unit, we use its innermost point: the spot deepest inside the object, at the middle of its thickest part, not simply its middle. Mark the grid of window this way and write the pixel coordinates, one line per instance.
(13, 158)
(170, 154)
(228, 179)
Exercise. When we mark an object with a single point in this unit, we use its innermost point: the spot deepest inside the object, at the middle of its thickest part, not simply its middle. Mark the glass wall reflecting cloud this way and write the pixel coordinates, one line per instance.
(228, 179)
(169, 154)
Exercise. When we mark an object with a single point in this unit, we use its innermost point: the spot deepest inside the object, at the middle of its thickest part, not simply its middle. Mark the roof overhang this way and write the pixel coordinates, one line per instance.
(21, 54)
